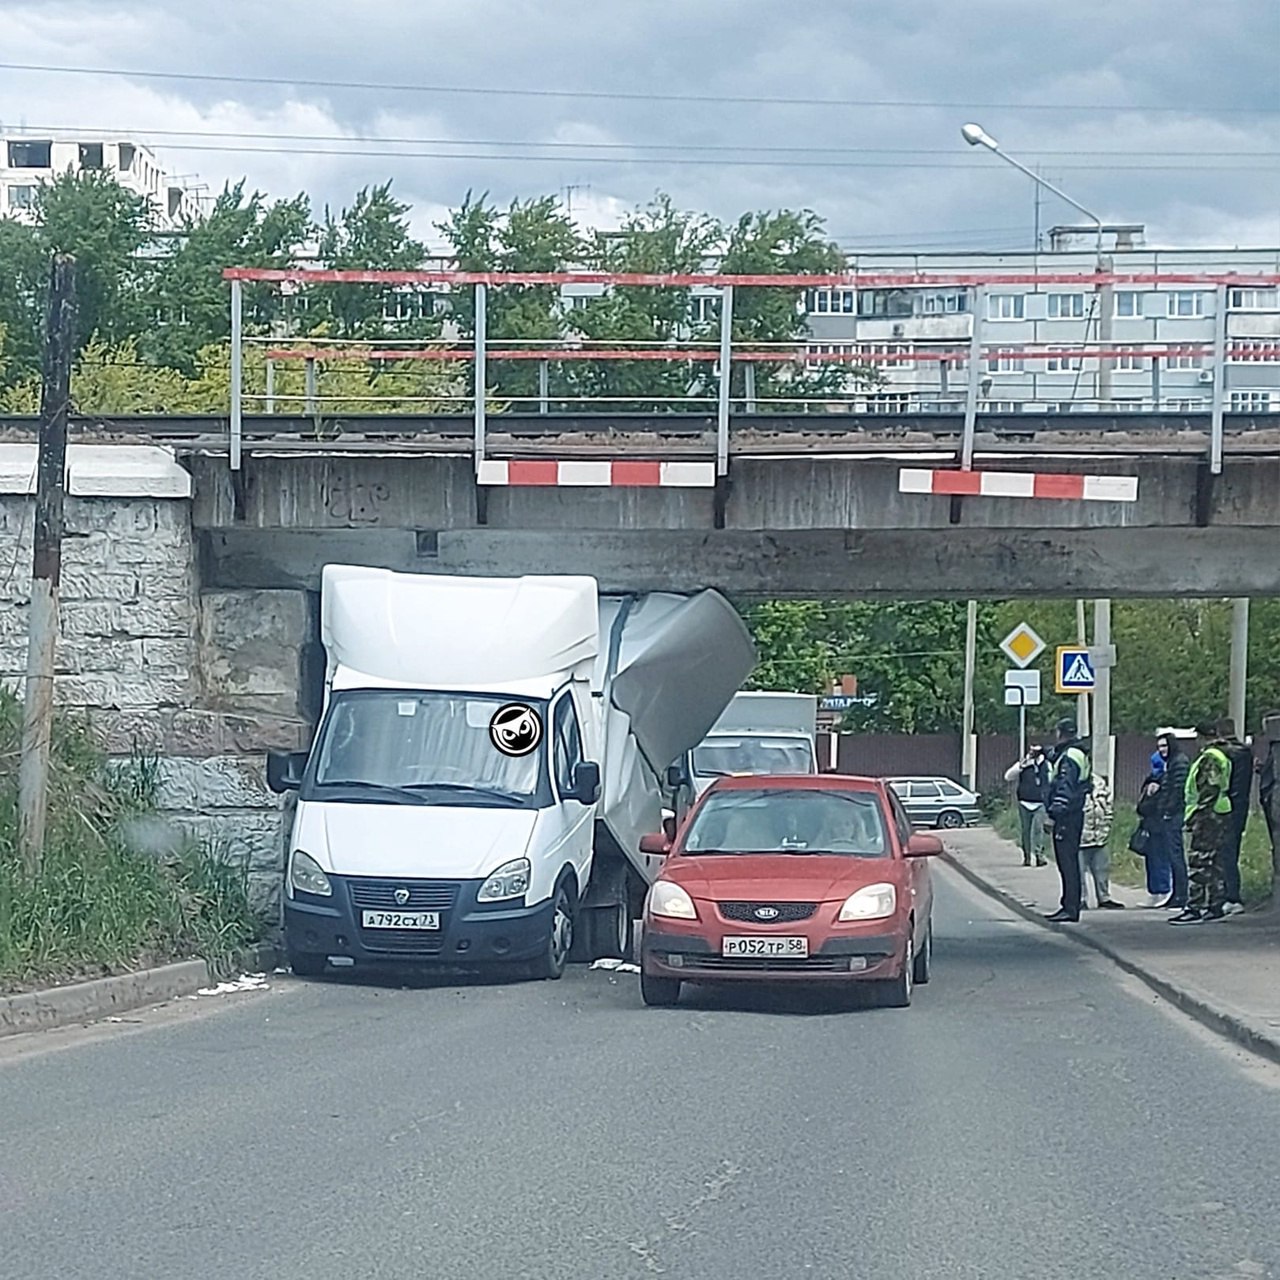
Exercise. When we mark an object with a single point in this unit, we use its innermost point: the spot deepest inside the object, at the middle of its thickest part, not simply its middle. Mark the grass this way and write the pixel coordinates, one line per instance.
(116, 891)
(1129, 869)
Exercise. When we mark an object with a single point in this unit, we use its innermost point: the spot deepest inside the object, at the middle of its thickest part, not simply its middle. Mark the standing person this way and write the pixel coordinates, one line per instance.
(1268, 795)
(1208, 818)
(1095, 851)
(1031, 773)
(1159, 870)
(1240, 792)
(1064, 813)
(1171, 803)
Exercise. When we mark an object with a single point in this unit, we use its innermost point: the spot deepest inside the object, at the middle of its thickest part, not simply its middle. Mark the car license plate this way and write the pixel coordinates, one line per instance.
(400, 919)
(788, 948)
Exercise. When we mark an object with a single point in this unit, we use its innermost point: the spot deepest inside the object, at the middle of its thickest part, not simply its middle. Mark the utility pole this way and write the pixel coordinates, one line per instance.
(1082, 700)
(1102, 689)
(46, 565)
(1239, 662)
(968, 765)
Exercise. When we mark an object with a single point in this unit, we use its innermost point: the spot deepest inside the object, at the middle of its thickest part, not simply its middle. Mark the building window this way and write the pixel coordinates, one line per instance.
(896, 354)
(944, 304)
(22, 197)
(1251, 402)
(1066, 306)
(127, 153)
(1183, 405)
(1186, 303)
(892, 403)
(1005, 306)
(1181, 362)
(91, 155)
(1128, 304)
(1004, 361)
(703, 308)
(1254, 351)
(31, 155)
(1129, 362)
(1131, 404)
(1253, 299)
(1063, 364)
(885, 302)
(832, 350)
(1003, 406)
(833, 302)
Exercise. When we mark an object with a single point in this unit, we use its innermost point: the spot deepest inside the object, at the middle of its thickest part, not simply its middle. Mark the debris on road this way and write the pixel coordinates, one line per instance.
(245, 982)
(618, 966)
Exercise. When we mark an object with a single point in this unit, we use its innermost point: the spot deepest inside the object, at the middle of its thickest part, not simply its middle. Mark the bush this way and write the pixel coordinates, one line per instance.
(116, 890)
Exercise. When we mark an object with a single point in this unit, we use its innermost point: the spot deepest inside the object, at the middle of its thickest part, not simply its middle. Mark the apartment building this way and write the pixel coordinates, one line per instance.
(26, 161)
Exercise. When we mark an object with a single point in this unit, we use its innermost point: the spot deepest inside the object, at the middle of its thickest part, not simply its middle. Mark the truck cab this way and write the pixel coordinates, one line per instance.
(758, 733)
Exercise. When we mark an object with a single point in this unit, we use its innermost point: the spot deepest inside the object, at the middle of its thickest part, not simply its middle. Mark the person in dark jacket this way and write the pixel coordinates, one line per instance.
(1069, 784)
(1240, 793)
(1170, 804)
(1159, 872)
(1031, 773)
(1268, 795)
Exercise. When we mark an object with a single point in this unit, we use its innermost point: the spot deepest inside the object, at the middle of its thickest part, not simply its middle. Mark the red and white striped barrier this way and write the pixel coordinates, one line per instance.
(591, 474)
(1020, 484)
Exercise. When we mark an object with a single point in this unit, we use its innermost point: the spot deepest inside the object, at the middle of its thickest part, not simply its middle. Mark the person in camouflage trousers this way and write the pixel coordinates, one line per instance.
(1208, 821)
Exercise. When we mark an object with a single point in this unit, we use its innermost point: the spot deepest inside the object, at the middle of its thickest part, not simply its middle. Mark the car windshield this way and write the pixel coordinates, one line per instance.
(778, 820)
(421, 748)
(719, 757)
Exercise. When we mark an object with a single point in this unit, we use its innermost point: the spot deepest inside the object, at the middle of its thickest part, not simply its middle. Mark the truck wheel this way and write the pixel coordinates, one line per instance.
(550, 964)
(306, 964)
(610, 933)
(659, 993)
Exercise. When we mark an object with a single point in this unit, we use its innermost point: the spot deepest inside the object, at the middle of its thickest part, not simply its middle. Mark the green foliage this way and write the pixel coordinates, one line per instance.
(24, 270)
(114, 892)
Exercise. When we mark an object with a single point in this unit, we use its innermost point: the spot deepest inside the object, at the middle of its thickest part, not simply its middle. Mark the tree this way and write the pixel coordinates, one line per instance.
(24, 271)
(187, 297)
(373, 235)
(106, 227)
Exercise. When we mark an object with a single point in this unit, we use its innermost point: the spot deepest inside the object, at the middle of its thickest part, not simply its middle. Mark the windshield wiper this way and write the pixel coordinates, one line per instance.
(361, 784)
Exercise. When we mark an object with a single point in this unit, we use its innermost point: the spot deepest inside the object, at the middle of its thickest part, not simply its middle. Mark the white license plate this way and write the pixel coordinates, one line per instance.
(400, 919)
(788, 948)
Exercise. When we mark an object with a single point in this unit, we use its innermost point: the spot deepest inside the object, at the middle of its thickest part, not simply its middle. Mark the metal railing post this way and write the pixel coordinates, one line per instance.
(726, 369)
(1219, 378)
(975, 378)
(271, 386)
(237, 371)
(544, 384)
(749, 374)
(311, 385)
(481, 320)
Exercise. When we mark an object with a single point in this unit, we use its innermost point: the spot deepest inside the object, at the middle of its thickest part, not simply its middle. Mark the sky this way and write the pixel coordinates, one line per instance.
(1161, 112)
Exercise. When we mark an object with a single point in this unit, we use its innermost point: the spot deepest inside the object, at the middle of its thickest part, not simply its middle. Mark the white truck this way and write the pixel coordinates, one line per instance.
(758, 732)
(490, 753)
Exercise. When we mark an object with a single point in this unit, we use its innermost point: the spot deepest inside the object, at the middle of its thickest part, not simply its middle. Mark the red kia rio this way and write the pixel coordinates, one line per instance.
(791, 878)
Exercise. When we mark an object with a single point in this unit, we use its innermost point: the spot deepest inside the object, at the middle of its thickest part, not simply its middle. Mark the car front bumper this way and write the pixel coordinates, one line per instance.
(470, 932)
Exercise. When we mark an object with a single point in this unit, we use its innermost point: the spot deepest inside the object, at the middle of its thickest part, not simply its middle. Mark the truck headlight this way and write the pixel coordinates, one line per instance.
(511, 880)
(875, 902)
(667, 899)
(305, 875)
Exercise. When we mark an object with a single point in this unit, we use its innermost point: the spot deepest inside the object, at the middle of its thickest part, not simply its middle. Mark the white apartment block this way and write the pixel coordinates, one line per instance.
(27, 160)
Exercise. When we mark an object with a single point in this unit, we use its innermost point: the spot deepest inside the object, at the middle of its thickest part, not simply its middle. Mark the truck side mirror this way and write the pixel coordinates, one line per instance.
(677, 775)
(285, 770)
(586, 782)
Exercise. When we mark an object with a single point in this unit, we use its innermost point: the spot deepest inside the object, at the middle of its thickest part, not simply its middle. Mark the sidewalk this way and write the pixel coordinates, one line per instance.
(1225, 974)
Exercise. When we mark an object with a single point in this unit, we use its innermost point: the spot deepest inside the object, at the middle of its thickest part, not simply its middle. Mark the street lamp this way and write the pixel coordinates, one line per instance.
(976, 136)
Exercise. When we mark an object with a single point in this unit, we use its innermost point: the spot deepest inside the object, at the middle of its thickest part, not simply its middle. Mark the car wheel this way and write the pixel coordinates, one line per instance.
(306, 964)
(895, 993)
(659, 992)
(550, 964)
(924, 959)
(950, 820)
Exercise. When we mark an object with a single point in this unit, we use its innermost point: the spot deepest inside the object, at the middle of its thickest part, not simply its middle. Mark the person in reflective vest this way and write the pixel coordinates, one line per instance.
(1207, 814)
(1069, 784)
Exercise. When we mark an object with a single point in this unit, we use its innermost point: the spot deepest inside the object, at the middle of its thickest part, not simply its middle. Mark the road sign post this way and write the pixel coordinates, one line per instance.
(1022, 690)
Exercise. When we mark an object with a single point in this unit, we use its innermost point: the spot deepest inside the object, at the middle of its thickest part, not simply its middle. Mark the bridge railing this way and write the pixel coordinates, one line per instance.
(1087, 353)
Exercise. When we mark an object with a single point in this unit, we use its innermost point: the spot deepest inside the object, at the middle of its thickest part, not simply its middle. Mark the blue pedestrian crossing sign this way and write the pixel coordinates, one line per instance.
(1074, 670)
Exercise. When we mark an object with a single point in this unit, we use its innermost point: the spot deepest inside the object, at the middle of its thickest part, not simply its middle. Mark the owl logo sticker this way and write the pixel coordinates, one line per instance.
(516, 729)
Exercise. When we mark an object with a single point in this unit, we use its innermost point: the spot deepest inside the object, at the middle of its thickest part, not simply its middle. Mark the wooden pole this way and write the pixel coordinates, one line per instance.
(46, 565)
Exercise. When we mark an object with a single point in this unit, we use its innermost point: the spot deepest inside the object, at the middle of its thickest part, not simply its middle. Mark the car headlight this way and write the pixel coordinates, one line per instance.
(305, 875)
(667, 899)
(875, 902)
(511, 880)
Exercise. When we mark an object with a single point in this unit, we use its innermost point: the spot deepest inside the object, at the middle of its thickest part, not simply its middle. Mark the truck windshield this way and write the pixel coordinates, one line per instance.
(775, 820)
(717, 757)
(389, 746)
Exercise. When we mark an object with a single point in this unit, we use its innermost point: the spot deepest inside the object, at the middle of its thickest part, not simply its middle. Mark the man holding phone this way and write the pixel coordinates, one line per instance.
(1031, 773)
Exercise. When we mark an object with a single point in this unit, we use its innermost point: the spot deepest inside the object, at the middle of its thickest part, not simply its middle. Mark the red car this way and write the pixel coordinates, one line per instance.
(791, 878)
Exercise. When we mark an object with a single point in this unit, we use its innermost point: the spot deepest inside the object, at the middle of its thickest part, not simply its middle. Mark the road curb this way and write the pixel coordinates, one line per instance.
(1227, 1025)
(81, 1002)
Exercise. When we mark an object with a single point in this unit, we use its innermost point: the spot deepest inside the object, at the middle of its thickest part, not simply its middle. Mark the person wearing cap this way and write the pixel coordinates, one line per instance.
(1031, 773)
(1208, 820)
(1240, 792)
(1159, 871)
(1170, 808)
(1069, 784)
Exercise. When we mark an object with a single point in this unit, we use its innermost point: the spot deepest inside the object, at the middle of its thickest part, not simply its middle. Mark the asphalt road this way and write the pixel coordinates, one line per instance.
(1031, 1116)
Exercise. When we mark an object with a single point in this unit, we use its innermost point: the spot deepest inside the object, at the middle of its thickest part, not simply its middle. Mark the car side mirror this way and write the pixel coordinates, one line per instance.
(586, 782)
(285, 770)
(923, 845)
(656, 844)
